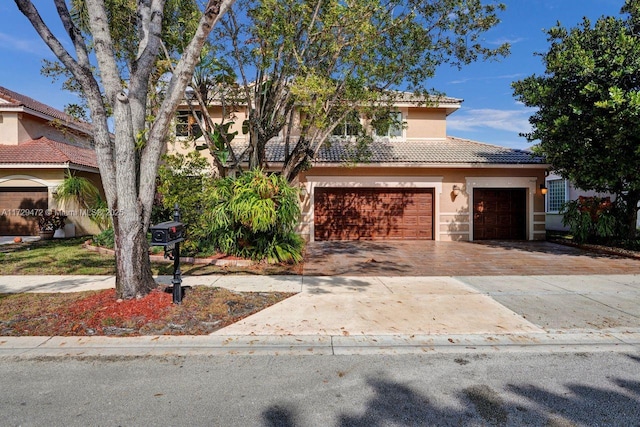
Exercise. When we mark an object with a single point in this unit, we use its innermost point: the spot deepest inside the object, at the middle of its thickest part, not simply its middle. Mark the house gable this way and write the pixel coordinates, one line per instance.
(38, 145)
(23, 119)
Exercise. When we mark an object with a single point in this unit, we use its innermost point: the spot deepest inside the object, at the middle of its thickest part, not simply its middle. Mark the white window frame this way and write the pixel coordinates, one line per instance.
(399, 129)
(344, 128)
(548, 196)
(394, 129)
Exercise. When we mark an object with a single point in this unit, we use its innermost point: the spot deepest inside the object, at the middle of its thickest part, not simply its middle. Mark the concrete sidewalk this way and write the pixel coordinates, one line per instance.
(347, 315)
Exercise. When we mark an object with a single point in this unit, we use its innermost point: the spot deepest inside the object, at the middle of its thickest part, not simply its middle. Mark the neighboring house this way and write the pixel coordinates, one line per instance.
(560, 191)
(38, 144)
(414, 183)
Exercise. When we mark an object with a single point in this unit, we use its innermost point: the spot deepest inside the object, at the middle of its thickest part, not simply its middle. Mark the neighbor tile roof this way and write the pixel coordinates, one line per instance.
(46, 151)
(15, 99)
(382, 151)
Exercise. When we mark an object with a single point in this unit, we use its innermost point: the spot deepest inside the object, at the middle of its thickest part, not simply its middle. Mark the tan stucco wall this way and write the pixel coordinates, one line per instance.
(33, 127)
(16, 128)
(9, 128)
(452, 220)
(425, 123)
(50, 179)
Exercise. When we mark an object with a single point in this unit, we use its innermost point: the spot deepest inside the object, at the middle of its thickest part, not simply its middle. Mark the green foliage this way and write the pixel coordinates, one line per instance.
(332, 57)
(181, 181)
(82, 191)
(78, 189)
(588, 107)
(99, 214)
(590, 219)
(254, 216)
(105, 239)
(219, 138)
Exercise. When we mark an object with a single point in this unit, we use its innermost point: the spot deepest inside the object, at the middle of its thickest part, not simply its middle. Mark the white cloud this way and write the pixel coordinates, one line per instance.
(504, 120)
(501, 41)
(499, 77)
(33, 46)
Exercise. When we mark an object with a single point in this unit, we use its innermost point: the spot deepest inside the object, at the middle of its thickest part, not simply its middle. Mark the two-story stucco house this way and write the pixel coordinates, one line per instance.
(38, 145)
(416, 183)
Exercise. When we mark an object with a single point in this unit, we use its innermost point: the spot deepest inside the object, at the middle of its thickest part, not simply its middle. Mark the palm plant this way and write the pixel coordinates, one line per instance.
(82, 191)
(254, 216)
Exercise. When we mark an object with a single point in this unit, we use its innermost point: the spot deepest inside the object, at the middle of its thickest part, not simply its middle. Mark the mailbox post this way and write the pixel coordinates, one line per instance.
(169, 234)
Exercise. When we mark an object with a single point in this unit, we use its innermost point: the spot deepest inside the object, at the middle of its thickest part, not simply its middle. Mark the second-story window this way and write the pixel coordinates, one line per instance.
(395, 125)
(187, 125)
(389, 124)
(351, 126)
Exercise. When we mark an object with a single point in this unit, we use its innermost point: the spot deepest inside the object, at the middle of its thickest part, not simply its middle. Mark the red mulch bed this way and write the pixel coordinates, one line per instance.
(202, 311)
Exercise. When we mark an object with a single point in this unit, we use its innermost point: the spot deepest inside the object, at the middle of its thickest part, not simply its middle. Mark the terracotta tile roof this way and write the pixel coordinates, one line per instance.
(46, 151)
(424, 152)
(15, 99)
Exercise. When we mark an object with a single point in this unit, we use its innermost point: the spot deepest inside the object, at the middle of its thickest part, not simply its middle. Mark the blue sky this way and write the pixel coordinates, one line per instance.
(489, 112)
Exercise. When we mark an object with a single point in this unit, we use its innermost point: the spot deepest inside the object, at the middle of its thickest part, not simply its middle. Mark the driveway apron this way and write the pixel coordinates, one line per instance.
(365, 305)
(457, 288)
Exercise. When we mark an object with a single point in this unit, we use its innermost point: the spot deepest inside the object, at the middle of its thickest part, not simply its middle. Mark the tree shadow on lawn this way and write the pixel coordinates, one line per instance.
(68, 257)
(25, 263)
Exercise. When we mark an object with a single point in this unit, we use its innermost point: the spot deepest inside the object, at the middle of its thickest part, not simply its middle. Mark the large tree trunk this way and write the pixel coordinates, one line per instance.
(133, 268)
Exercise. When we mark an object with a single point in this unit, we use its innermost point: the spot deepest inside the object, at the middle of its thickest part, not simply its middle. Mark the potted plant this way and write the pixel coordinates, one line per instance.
(49, 222)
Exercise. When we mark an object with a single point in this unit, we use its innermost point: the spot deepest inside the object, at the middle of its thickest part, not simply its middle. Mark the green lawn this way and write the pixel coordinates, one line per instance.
(67, 256)
(53, 257)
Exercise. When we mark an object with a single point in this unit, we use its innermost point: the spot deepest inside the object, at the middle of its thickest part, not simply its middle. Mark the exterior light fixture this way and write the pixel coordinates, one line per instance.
(456, 190)
(543, 189)
(303, 191)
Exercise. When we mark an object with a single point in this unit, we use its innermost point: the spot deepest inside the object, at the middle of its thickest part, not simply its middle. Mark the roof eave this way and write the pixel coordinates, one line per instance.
(65, 165)
(436, 165)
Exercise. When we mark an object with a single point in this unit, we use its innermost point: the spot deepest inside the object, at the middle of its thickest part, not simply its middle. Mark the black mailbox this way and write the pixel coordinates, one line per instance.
(167, 233)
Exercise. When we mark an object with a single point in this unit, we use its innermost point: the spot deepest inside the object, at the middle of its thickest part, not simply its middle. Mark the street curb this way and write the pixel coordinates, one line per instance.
(202, 345)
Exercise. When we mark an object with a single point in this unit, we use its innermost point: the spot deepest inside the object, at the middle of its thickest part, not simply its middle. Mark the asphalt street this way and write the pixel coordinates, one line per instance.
(570, 389)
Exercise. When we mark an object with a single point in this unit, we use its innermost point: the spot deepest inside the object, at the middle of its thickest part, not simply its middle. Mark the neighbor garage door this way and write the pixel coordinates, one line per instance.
(499, 213)
(16, 204)
(373, 214)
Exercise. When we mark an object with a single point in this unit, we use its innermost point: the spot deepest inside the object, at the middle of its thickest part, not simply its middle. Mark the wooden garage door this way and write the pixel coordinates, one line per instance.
(373, 214)
(499, 213)
(15, 206)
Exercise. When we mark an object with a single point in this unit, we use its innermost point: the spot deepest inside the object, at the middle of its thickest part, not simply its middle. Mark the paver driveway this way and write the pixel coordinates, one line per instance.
(429, 258)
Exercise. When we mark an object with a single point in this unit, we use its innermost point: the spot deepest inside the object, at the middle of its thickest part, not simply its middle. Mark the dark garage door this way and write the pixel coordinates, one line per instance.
(373, 214)
(16, 204)
(499, 213)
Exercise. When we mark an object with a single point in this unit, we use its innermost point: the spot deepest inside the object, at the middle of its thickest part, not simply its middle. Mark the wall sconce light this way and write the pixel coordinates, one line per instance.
(303, 192)
(543, 189)
(456, 190)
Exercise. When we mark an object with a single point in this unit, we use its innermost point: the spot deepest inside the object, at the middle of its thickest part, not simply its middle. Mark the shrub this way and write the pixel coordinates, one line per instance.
(82, 191)
(254, 216)
(181, 181)
(590, 218)
(105, 239)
